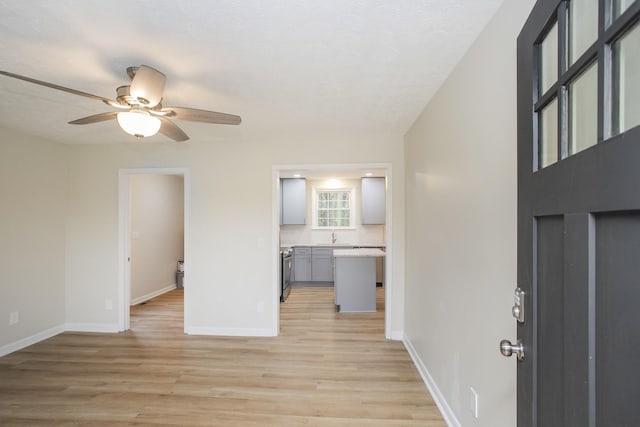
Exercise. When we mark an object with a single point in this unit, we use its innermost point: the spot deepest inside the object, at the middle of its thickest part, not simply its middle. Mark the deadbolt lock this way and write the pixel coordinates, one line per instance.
(518, 305)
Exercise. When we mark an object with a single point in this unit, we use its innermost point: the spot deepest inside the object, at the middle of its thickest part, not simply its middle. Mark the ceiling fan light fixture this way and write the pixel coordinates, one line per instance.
(140, 103)
(139, 123)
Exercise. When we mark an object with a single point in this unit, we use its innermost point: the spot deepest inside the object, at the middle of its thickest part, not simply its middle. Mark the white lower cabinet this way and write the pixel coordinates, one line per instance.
(313, 264)
(321, 265)
(301, 264)
(317, 264)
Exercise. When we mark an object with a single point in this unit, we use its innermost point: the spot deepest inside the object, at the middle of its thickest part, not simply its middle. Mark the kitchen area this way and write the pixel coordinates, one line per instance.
(332, 234)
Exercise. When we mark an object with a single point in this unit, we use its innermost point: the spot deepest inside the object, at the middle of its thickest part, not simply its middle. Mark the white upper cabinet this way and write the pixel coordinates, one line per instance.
(293, 201)
(373, 200)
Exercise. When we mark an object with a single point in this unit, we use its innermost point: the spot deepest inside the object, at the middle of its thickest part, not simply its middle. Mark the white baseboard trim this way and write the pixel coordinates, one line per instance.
(33, 339)
(438, 397)
(153, 294)
(397, 335)
(92, 327)
(229, 332)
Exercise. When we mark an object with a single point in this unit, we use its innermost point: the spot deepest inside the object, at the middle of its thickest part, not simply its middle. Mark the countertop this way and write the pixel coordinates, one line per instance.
(335, 245)
(361, 252)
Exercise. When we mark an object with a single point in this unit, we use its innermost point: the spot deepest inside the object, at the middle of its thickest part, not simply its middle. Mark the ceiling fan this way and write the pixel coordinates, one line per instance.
(141, 112)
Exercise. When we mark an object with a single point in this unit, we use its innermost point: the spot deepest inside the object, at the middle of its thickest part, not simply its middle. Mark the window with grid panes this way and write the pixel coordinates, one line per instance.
(333, 208)
(588, 89)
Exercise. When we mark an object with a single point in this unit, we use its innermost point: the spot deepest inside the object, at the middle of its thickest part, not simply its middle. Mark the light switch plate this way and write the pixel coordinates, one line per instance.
(14, 317)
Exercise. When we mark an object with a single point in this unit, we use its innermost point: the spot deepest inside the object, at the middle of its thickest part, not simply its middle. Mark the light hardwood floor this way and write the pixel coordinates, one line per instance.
(325, 369)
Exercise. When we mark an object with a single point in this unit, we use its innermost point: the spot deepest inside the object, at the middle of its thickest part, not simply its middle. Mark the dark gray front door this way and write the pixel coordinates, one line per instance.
(579, 214)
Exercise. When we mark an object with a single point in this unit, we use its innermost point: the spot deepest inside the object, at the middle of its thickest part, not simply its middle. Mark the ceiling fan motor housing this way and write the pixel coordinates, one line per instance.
(123, 95)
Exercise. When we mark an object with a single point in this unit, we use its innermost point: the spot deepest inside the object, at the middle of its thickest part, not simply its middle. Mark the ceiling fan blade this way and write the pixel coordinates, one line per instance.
(58, 87)
(170, 129)
(102, 117)
(194, 115)
(148, 85)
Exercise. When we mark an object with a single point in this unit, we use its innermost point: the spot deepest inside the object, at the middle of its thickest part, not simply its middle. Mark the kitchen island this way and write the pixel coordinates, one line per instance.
(355, 279)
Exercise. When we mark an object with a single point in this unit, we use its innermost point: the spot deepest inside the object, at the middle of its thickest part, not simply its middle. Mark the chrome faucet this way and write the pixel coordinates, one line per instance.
(334, 237)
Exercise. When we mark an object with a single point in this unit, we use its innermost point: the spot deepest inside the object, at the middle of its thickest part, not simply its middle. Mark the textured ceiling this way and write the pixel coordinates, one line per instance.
(331, 66)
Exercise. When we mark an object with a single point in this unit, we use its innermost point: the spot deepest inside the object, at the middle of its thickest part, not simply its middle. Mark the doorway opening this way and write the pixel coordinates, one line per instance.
(153, 237)
(356, 235)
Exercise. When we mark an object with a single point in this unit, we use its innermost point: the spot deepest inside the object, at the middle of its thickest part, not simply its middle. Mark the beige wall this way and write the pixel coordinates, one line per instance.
(461, 212)
(157, 233)
(33, 195)
(231, 247)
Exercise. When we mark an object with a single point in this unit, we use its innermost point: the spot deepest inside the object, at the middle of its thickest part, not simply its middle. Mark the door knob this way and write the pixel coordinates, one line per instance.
(507, 349)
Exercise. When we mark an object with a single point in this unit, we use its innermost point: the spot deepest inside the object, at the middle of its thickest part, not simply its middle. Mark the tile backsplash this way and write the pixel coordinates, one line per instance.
(304, 234)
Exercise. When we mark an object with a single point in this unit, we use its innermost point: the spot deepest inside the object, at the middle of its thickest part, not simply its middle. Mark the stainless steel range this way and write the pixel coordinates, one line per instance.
(287, 261)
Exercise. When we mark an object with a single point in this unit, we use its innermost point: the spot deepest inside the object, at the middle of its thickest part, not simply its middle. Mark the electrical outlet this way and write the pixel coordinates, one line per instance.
(108, 304)
(14, 317)
(473, 402)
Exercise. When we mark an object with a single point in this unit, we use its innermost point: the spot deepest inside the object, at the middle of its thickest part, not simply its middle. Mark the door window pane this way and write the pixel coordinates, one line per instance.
(549, 59)
(626, 53)
(583, 110)
(583, 27)
(548, 143)
(619, 6)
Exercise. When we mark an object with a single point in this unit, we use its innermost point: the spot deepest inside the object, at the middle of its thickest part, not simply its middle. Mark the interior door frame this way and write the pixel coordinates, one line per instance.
(275, 229)
(124, 238)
